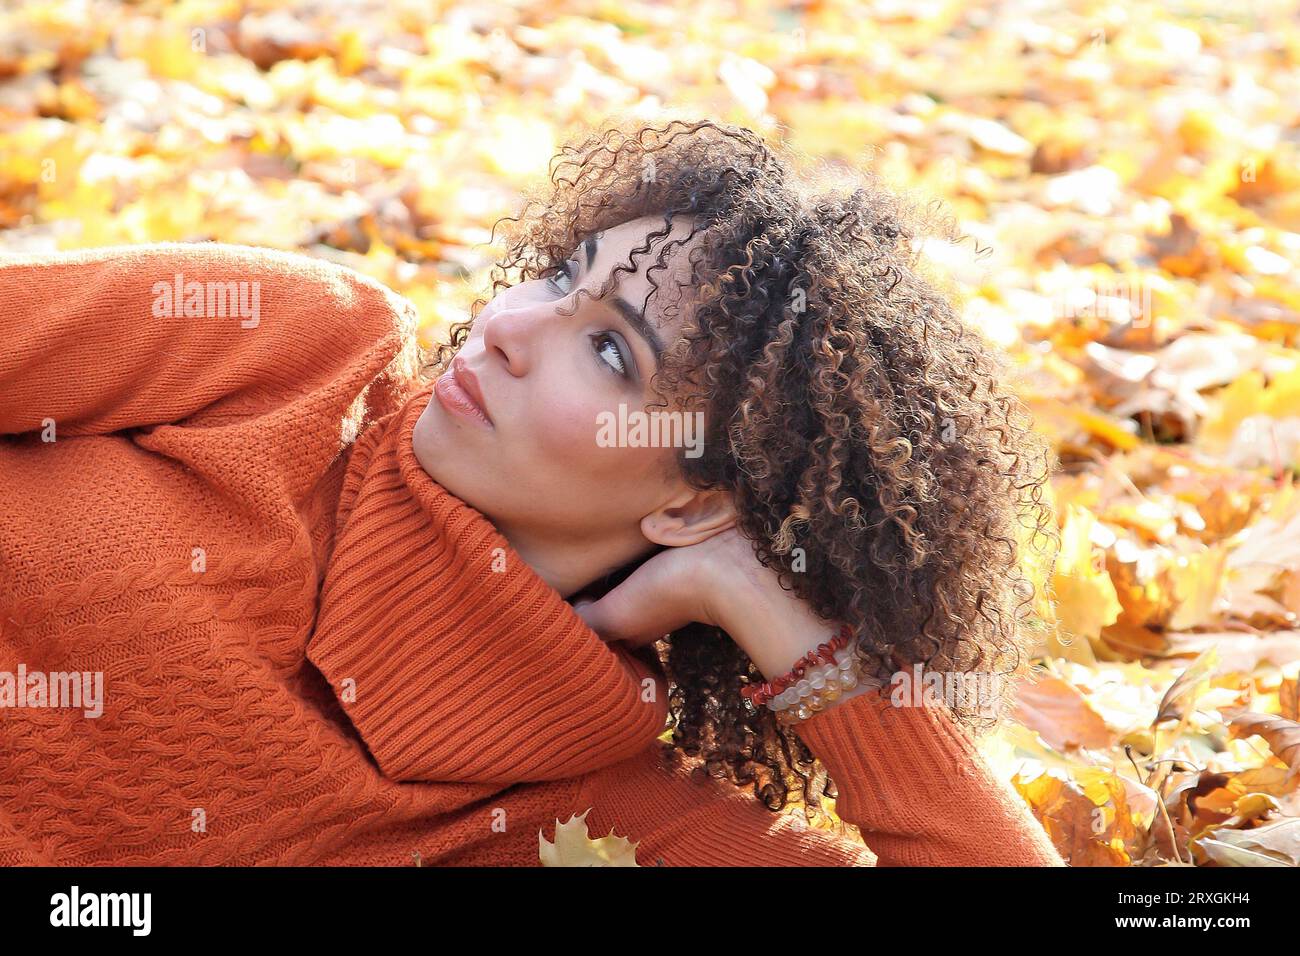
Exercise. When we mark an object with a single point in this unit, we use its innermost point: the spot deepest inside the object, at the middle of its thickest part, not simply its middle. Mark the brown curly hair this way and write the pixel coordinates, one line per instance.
(876, 459)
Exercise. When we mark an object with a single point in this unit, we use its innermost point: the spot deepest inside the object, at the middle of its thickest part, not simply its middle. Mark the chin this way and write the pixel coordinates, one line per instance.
(437, 453)
(434, 448)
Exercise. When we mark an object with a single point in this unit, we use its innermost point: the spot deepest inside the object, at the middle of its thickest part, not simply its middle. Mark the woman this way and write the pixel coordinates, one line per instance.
(330, 599)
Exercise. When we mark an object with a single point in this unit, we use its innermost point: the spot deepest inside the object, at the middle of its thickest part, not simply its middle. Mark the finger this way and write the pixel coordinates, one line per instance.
(632, 613)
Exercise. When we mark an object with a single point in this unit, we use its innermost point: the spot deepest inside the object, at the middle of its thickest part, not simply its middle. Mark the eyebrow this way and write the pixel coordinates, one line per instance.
(630, 313)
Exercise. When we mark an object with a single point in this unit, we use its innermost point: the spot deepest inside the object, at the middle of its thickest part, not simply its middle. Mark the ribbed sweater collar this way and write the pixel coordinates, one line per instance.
(450, 654)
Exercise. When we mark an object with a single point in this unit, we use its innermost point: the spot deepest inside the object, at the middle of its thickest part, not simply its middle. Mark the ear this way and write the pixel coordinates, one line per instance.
(692, 517)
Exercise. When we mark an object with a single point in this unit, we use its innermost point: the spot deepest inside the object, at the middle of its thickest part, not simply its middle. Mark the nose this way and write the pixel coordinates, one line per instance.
(514, 334)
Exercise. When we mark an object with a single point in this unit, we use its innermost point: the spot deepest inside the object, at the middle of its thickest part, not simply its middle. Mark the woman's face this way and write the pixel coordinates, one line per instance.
(542, 467)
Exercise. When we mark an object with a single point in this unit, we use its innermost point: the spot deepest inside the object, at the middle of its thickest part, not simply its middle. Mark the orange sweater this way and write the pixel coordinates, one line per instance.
(309, 651)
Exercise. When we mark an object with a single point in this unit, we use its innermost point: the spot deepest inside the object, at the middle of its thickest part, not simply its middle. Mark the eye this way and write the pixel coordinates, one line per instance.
(564, 271)
(606, 345)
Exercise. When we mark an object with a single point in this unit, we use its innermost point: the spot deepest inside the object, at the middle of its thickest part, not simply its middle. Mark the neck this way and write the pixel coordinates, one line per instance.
(567, 564)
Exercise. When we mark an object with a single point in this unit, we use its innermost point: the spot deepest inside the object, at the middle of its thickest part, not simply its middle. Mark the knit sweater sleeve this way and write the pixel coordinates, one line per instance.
(909, 778)
(511, 690)
(120, 337)
(913, 782)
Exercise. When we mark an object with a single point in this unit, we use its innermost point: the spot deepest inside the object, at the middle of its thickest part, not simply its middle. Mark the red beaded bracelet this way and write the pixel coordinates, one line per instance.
(824, 654)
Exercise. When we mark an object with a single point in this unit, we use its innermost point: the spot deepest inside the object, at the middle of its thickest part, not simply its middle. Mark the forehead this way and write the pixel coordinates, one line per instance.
(634, 232)
(615, 247)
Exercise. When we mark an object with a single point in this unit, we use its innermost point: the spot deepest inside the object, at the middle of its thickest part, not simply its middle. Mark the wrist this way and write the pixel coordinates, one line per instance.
(774, 626)
(817, 682)
(776, 634)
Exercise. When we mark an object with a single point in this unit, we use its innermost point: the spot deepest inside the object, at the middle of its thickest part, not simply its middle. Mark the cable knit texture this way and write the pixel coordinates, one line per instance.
(311, 652)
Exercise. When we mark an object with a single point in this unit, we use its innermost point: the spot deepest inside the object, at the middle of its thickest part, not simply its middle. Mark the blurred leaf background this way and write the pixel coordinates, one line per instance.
(1128, 172)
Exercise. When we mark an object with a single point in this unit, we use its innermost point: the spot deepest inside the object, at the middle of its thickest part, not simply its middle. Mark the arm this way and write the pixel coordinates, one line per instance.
(909, 777)
(915, 785)
(98, 340)
(686, 820)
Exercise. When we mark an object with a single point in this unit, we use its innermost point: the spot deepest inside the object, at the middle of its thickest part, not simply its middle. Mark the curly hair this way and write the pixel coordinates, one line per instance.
(878, 462)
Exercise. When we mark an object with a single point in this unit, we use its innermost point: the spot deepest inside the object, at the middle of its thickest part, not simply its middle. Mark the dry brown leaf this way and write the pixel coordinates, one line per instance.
(1283, 735)
(1060, 714)
(1273, 844)
(1181, 696)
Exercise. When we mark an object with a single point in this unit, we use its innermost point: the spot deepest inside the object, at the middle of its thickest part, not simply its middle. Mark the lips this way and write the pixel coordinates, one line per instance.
(460, 387)
(469, 382)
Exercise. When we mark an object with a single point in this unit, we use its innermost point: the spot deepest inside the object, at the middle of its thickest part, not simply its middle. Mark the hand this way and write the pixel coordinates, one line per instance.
(720, 582)
(667, 591)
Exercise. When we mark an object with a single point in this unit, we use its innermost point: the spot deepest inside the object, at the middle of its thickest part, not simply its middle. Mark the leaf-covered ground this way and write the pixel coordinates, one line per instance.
(1129, 173)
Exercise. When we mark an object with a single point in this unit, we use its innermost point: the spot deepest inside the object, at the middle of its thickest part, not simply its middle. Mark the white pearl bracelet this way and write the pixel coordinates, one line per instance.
(818, 688)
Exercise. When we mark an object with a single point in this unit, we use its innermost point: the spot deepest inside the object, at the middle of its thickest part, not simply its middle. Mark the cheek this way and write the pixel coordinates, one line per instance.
(565, 431)
(571, 436)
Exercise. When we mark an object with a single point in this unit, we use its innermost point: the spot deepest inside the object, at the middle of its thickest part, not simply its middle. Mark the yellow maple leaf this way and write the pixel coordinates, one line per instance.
(574, 847)
(1085, 595)
(1196, 580)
